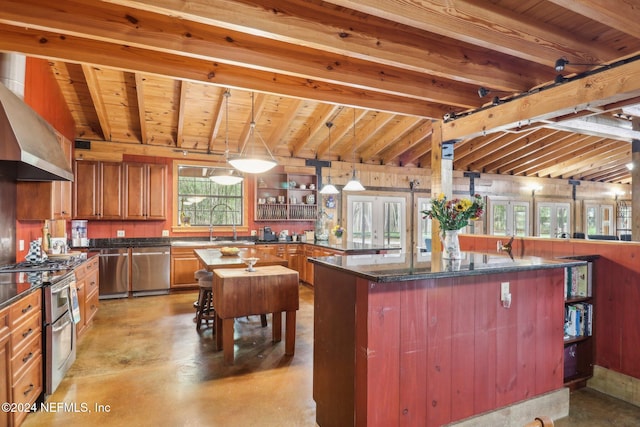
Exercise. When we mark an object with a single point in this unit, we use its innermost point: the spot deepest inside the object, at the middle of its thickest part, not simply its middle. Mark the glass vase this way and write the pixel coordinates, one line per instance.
(451, 245)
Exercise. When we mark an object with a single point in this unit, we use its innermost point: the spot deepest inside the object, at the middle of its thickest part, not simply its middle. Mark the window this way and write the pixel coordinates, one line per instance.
(509, 218)
(202, 202)
(552, 219)
(624, 218)
(376, 220)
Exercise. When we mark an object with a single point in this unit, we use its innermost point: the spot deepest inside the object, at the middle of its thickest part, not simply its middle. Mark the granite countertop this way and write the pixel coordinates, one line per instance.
(401, 266)
(213, 258)
(138, 242)
(14, 286)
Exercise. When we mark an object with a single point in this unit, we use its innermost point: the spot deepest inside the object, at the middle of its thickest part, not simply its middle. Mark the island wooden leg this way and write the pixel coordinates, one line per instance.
(276, 326)
(290, 333)
(218, 326)
(227, 340)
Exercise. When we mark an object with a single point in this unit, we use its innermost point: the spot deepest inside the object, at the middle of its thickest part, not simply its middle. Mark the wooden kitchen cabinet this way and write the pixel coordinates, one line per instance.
(25, 370)
(184, 264)
(145, 191)
(97, 190)
(46, 200)
(5, 365)
(87, 285)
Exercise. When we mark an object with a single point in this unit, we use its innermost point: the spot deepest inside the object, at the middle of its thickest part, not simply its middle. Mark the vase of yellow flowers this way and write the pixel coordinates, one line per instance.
(453, 215)
(338, 231)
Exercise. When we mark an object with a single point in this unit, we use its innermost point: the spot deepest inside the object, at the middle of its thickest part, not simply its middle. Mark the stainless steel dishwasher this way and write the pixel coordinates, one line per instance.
(150, 270)
(114, 273)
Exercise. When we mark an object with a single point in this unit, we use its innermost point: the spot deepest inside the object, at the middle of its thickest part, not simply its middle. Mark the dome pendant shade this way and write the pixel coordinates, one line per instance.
(329, 188)
(247, 161)
(354, 184)
(226, 177)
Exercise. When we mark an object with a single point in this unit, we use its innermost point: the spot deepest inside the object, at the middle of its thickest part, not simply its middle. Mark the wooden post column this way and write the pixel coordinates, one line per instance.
(441, 179)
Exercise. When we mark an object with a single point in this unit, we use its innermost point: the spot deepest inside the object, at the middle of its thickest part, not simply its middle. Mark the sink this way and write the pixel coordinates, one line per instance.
(203, 243)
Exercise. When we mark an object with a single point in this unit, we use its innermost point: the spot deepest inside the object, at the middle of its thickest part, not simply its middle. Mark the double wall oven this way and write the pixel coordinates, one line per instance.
(59, 332)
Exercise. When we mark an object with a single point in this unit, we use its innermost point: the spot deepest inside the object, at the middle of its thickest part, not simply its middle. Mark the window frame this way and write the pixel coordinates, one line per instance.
(177, 227)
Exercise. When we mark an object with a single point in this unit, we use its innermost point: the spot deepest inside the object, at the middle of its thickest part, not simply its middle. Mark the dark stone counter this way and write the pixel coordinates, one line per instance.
(400, 266)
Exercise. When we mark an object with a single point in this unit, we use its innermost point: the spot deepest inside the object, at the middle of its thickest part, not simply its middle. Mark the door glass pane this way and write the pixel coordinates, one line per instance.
(392, 223)
(592, 225)
(562, 216)
(500, 220)
(544, 221)
(425, 228)
(606, 220)
(520, 220)
(362, 222)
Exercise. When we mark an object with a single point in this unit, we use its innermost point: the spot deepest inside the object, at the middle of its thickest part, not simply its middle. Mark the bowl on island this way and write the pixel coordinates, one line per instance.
(250, 263)
(229, 251)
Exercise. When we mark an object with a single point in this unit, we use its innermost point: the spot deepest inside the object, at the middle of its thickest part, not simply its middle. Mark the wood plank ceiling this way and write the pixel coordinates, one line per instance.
(154, 72)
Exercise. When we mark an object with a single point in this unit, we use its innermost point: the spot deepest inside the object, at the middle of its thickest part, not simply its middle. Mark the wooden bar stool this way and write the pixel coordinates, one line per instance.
(205, 311)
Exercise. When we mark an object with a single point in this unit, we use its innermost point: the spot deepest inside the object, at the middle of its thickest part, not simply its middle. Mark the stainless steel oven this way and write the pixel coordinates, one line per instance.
(59, 331)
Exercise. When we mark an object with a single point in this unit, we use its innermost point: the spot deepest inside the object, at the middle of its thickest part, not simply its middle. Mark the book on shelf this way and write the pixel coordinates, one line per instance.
(578, 320)
(578, 282)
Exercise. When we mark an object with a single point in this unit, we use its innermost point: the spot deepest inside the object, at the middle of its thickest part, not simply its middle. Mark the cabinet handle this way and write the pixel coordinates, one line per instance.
(27, 357)
(27, 333)
(29, 389)
(27, 308)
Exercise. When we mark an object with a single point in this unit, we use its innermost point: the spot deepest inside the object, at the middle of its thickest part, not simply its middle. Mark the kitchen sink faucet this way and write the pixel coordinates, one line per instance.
(227, 210)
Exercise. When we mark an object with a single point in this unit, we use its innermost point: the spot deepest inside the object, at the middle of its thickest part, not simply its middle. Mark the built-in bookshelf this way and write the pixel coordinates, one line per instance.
(579, 311)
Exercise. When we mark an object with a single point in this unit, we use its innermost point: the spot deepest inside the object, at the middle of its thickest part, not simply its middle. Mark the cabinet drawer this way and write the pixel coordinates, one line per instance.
(22, 333)
(91, 307)
(27, 389)
(91, 284)
(25, 307)
(5, 330)
(22, 359)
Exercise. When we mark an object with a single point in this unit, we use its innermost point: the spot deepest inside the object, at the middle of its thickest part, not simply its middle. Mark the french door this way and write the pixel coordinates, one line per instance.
(553, 219)
(509, 218)
(380, 221)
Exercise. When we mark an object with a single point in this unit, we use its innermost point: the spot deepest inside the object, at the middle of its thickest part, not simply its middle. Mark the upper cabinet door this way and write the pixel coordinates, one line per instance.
(145, 191)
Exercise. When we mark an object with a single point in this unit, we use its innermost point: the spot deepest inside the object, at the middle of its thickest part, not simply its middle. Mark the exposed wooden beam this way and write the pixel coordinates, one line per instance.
(96, 95)
(484, 24)
(142, 116)
(417, 135)
(622, 15)
(68, 48)
(611, 85)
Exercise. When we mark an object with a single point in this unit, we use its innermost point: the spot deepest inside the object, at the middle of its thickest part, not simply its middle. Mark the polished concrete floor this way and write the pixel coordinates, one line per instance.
(143, 364)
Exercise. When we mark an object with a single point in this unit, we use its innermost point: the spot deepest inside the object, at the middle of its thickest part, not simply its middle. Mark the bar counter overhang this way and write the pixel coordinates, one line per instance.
(404, 339)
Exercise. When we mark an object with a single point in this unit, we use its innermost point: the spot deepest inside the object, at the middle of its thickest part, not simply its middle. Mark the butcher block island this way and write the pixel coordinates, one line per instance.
(404, 339)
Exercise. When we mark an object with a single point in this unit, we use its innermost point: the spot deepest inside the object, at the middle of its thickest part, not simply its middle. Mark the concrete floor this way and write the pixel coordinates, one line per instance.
(144, 363)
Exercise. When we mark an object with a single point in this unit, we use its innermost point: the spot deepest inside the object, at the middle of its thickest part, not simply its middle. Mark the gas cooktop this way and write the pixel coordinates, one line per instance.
(50, 264)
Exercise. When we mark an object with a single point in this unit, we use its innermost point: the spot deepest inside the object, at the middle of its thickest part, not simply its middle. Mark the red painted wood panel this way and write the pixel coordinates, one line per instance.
(616, 282)
(383, 356)
(438, 362)
(413, 353)
(463, 351)
(486, 350)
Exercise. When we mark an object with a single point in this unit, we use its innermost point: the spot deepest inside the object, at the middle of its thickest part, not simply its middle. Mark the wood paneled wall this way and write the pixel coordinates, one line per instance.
(616, 283)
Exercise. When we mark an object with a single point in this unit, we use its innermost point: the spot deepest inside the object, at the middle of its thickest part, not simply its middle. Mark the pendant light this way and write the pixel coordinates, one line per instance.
(354, 184)
(249, 162)
(329, 188)
(226, 176)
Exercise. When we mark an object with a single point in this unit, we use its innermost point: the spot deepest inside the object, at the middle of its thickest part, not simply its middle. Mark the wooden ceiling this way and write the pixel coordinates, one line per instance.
(155, 73)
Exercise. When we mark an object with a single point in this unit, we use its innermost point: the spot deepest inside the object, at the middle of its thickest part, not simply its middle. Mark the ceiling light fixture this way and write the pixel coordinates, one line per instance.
(329, 188)
(226, 176)
(354, 184)
(249, 162)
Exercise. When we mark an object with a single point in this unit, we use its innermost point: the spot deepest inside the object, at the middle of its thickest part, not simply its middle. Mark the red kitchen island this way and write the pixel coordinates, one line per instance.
(401, 340)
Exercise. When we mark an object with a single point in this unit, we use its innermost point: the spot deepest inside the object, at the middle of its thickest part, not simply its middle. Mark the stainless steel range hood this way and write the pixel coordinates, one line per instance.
(29, 147)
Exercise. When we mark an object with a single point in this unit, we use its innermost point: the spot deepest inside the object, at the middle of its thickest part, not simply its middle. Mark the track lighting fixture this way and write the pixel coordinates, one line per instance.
(563, 62)
(483, 91)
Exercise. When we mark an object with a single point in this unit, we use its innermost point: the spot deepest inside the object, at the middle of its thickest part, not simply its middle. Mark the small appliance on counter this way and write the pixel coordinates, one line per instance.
(268, 235)
(79, 233)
